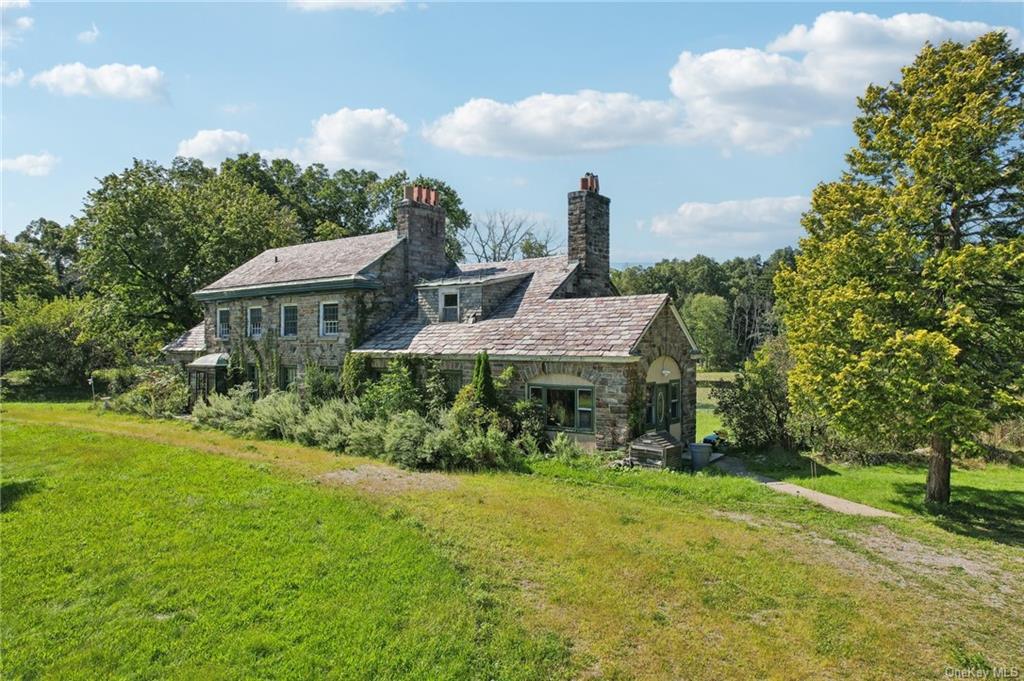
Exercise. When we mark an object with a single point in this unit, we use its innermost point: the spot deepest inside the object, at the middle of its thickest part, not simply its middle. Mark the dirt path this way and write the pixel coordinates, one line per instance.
(734, 466)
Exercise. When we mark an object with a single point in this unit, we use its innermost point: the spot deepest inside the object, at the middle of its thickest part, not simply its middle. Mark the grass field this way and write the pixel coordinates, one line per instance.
(152, 549)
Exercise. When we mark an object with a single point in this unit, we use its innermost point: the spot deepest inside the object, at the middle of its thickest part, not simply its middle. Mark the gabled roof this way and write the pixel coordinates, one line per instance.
(193, 340)
(338, 260)
(564, 328)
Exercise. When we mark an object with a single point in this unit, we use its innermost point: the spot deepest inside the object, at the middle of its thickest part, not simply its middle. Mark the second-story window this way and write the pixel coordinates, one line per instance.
(289, 320)
(255, 322)
(450, 305)
(223, 323)
(329, 319)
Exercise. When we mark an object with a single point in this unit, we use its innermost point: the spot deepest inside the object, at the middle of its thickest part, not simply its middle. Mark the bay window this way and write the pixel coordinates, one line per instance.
(568, 407)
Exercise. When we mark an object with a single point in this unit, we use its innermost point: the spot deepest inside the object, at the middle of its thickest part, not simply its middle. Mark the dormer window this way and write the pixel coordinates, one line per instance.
(450, 305)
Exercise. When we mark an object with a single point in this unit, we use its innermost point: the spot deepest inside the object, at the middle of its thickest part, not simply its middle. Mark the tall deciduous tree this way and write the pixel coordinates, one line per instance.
(707, 318)
(151, 236)
(905, 311)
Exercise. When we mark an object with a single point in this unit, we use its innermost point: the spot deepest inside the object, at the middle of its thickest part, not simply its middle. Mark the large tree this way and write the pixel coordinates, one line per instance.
(707, 318)
(905, 311)
(150, 236)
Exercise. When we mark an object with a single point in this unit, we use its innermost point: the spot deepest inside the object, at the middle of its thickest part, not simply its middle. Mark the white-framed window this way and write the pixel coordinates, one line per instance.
(223, 323)
(329, 322)
(449, 304)
(255, 322)
(288, 376)
(289, 321)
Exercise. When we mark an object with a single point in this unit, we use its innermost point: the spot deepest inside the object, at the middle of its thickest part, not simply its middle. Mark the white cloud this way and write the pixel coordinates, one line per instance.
(213, 146)
(761, 223)
(14, 4)
(751, 98)
(118, 81)
(11, 29)
(10, 78)
(35, 165)
(360, 138)
(374, 6)
(764, 99)
(551, 125)
(89, 36)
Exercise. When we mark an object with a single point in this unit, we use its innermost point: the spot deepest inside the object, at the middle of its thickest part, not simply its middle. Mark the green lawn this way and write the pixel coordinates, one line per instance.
(152, 549)
(987, 500)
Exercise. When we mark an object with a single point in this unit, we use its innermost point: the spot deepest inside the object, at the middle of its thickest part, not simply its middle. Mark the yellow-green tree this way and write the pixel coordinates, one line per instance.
(905, 310)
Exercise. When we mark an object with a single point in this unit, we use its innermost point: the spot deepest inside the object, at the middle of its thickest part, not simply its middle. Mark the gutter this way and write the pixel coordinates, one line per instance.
(354, 281)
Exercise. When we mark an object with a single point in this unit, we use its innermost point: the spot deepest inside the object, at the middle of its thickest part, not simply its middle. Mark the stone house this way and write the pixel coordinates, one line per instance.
(591, 356)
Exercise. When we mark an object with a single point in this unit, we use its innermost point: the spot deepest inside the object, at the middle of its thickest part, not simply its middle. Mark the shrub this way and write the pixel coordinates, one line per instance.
(355, 374)
(756, 405)
(436, 397)
(278, 415)
(564, 448)
(320, 384)
(394, 393)
(483, 383)
(490, 448)
(530, 420)
(114, 381)
(229, 412)
(160, 391)
(328, 425)
(443, 447)
(366, 438)
(53, 339)
(404, 438)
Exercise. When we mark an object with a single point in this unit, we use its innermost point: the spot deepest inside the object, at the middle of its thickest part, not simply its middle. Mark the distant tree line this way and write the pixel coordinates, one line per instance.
(729, 307)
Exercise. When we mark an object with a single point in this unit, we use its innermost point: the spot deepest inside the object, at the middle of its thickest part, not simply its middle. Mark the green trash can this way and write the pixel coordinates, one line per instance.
(700, 455)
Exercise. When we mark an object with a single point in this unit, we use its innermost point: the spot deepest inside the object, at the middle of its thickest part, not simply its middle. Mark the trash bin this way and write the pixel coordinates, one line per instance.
(700, 455)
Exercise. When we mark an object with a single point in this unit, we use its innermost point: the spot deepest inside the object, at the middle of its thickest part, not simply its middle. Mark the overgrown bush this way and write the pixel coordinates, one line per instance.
(328, 425)
(278, 415)
(490, 448)
(320, 384)
(228, 412)
(355, 374)
(404, 438)
(160, 391)
(394, 393)
(530, 419)
(54, 339)
(564, 448)
(114, 381)
(366, 438)
(755, 407)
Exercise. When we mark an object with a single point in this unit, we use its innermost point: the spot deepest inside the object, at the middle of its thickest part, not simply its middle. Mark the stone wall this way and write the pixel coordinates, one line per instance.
(357, 310)
(665, 337)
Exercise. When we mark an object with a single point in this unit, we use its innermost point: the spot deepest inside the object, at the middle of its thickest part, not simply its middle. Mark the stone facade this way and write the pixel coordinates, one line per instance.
(422, 226)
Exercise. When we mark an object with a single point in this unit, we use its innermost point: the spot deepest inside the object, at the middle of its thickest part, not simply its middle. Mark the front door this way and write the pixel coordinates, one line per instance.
(661, 405)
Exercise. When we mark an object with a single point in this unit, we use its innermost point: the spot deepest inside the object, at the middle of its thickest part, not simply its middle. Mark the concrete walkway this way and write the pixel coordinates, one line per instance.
(734, 466)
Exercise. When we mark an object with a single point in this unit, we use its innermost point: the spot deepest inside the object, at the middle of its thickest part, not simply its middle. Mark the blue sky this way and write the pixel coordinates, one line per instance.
(708, 124)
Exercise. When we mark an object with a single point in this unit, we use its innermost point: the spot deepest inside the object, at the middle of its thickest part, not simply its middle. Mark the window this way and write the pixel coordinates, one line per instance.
(223, 323)
(568, 408)
(252, 374)
(289, 320)
(255, 322)
(674, 411)
(328, 319)
(452, 382)
(288, 376)
(450, 305)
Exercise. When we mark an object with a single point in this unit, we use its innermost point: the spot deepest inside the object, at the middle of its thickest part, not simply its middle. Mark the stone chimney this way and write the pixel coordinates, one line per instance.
(589, 230)
(420, 220)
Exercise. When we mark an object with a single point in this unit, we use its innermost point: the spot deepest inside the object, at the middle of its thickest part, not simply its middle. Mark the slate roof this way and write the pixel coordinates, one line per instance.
(193, 340)
(562, 328)
(333, 259)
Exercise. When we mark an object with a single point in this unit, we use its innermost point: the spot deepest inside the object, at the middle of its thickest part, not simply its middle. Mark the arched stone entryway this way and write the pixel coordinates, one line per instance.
(664, 406)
